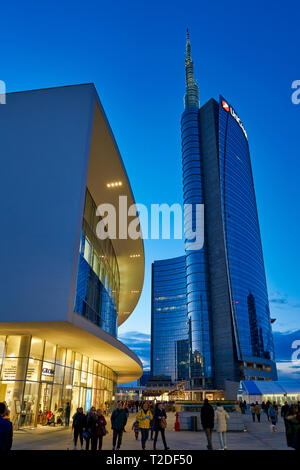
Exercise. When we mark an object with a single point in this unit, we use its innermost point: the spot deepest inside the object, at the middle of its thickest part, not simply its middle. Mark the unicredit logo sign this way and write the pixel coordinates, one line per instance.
(228, 108)
(225, 106)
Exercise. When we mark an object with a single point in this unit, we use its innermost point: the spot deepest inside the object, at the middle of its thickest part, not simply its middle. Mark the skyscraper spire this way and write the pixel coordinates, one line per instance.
(191, 99)
(188, 46)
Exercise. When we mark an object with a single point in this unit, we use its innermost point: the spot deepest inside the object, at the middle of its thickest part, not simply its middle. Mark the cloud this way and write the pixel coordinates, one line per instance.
(278, 301)
(283, 342)
(285, 310)
(140, 344)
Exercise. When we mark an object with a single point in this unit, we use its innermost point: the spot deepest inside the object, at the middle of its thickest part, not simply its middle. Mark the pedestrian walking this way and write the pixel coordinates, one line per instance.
(292, 427)
(67, 414)
(267, 406)
(90, 433)
(273, 417)
(221, 417)
(144, 417)
(284, 410)
(207, 421)
(118, 422)
(160, 424)
(101, 429)
(257, 411)
(252, 411)
(78, 426)
(125, 407)
(136, 429)
(152, 422)
(6, 429)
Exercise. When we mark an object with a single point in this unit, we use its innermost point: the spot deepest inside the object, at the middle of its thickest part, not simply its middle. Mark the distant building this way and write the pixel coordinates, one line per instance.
(142, 381)
(280, 392)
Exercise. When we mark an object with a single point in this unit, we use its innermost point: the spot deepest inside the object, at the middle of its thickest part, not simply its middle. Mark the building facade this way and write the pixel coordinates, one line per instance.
(64, 290)
(230, 335)
(169, 340)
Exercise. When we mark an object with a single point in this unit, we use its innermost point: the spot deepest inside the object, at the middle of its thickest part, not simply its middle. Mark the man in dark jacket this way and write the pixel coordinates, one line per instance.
(78, 425)
(6, 429)
(207, 421)
(285, 410)
(91, 429)
(118, 423)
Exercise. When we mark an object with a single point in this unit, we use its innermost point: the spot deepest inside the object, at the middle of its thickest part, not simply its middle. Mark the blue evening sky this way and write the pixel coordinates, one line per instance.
(134, 53)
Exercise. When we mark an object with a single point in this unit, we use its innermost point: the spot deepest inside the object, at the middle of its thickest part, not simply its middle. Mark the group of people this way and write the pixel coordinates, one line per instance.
(91, 427)
(270, 409)
(289, 413)
(210, 419)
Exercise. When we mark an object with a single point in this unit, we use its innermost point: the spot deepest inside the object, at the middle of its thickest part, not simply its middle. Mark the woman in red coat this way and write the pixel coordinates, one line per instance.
(101, 430)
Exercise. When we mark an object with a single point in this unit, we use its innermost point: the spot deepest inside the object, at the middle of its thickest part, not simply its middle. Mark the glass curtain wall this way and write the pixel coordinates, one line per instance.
(37, 377)
(98, 279)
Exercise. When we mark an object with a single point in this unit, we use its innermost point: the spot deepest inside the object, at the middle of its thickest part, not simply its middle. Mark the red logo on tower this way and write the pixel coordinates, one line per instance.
(225, 106)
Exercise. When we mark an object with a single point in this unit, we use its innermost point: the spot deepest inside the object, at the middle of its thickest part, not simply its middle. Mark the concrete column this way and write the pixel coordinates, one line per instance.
(20, 374)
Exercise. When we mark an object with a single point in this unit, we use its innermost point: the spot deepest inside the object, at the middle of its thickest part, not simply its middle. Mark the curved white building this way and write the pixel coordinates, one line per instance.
(63, 290)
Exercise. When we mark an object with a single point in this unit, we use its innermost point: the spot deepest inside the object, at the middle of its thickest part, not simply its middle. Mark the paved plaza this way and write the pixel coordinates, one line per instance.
(257, 437)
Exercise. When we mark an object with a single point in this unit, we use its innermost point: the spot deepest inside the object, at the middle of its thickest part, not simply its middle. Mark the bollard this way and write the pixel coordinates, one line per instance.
(177, 425)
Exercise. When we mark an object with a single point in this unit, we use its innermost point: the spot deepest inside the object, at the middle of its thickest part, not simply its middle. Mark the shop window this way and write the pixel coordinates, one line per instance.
(50, 350)
(36, 348)
(59, 374)
(68, 379)
(34, 369)
(2, 349)
(76, 377)
(70, 358)
(60, 356)
(30, 406)
(12, 346)
(47, 372)
(87, 251)
(77, 362)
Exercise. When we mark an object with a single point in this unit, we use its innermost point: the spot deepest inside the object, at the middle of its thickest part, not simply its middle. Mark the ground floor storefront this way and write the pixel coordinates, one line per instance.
(44, 383)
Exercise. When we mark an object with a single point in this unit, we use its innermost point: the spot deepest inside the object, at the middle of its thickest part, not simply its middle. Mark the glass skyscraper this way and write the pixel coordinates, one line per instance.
(227, 311)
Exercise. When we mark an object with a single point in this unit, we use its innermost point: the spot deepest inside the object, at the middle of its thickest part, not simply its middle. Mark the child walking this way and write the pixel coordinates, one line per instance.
(135, 427)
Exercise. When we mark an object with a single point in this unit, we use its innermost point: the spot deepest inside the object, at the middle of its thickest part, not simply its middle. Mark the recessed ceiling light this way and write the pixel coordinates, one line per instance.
(114, 184)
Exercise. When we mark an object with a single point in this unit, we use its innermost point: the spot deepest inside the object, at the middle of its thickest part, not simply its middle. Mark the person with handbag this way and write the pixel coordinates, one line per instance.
(101, 429)
(144, 418)
(273, 417)
(160, 424)
(221, 417)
